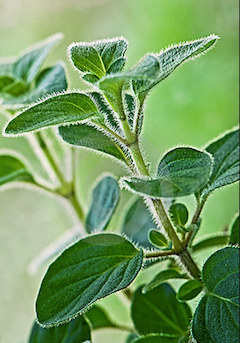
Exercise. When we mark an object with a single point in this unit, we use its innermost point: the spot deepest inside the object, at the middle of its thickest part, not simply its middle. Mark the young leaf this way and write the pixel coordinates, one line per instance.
(59, 109)
(217, 315)
(214, 240)
(179, 214)
(76, 331)
(157, 238)
(161, 277)
(91, 269)
(174, 56)
(225, 152)
(156, 338)
(130, 109)
(105, 198)
(98, 318)
(137, 223)
(87, 136)
(189, 290)
(234, 234)
(112, 52)
(12, 169)
(182, 171)
(28, 65)
(158, 304)
(5, 81)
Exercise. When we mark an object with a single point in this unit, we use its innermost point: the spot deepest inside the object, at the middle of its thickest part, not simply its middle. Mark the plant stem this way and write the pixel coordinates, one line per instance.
(156, 254)
(134, 148)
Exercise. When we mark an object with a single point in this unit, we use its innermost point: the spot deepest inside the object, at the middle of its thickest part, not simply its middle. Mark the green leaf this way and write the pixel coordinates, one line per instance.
(98, 318)
(225, 152)
(89, 137)
(170, 58)
(130, 109)
(234, 234)
(112, 54)
(12, 169)
(182, 171)
(5, 81)
(217, 315)
(56, 110)
(28, 65)
(214, 240)
(131, 337)
(161, 277)
(16, 88)
(137, 223)
(155, 338)
(76, 331)
(91, 269)
(105, 198)
(179, 214)
(157, 238)
(189, 290)
(153, 312)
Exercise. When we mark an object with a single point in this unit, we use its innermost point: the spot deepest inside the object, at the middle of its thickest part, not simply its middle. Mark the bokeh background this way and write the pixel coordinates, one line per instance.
(194, 105)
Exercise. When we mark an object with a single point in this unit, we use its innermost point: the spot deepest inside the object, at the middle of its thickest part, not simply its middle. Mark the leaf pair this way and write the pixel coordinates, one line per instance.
(20, 81)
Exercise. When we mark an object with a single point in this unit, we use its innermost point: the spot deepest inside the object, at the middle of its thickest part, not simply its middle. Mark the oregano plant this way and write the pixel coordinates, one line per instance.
(157, 226)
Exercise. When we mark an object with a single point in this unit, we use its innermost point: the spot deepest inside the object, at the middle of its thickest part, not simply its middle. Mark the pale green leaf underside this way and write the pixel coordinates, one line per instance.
(86, 136)
(76, 331)
(91, 269)
(28, 65)
(152, 312)
(225, 152)
(163, 276)
(12, 169)
(218, 311)
(105, 198)
(56, 110)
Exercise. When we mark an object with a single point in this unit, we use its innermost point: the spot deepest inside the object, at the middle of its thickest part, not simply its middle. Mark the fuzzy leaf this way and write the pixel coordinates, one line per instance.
(86, 136)
(130, 109)
(76, 331)
(214, 240)
(12, 169)
(137, 223)
(161, 277)
(179, 214)
(225, 152)
(91, 269)
(157, 238)
(28, 65)
(182, 171)
(98, 318)
(105, 198)
(172, 57)
(234, 234)
(112, 54)
(189, 290)
(217, 315)
(158, 304)
(59, 109)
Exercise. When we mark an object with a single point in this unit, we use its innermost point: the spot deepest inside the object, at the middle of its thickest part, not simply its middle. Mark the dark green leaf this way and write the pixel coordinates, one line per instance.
(157, 238)
(89, 137)
(112, 54)
(12, 169)
(28, 65)
(137, 223)
(56, 110)
(91, 269)
(156, 338)
(98, 318)
(212, 241)
(179, 214)
(217, 315)
(131, 337)
(130, 109)
(5, 81)
(181, 172)
(174, 56)
(234, 234)
(189, 290)
(158, 311)
(15, 88)
(105, 198)
(161, 277)
(76, 331)
(225, 152)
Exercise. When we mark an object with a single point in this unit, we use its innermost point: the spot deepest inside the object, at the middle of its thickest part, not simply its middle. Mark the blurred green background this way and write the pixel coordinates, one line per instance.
(194, 105)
